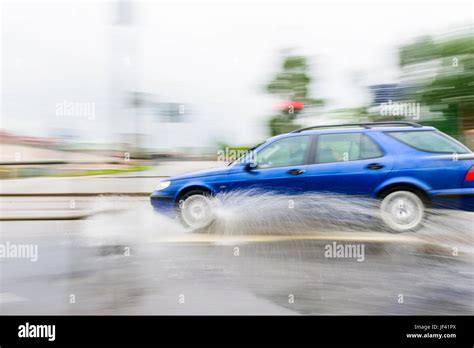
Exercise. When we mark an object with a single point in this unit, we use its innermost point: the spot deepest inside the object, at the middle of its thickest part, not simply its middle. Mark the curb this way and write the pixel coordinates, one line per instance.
(44, 218)
(78, 216)
(78, 194)
(68, 216)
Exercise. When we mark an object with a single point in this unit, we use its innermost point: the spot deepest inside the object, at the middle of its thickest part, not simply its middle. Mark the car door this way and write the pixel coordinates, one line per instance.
(281, 167)
(347, 163)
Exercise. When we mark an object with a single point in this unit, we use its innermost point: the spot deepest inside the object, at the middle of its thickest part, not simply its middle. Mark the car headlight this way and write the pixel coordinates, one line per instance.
(163, 184)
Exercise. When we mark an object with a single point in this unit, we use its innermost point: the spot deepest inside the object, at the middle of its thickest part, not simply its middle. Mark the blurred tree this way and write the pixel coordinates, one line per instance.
(291, 84)
(441, 73)
(357, 114)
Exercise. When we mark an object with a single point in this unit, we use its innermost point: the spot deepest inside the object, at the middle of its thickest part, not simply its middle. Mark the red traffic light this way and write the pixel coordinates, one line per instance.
(297, 105)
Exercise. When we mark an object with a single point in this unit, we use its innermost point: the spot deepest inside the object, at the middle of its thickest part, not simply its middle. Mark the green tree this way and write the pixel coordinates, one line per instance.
(441, 72)
(290, 84)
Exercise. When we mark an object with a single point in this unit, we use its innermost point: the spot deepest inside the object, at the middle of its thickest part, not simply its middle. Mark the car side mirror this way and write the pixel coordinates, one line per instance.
(250, 166)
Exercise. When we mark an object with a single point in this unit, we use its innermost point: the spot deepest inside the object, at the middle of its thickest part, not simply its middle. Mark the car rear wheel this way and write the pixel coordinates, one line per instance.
(402, 211)
(196, 210)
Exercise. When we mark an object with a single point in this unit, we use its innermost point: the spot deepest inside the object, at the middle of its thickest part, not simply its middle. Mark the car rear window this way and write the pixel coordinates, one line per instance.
(430, 141)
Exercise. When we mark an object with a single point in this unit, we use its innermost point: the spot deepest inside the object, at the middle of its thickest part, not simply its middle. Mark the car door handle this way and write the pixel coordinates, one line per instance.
(375, 166)
(296, 171)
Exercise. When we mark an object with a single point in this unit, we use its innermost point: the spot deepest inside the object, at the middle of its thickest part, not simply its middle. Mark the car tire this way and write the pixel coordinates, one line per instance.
(402, 211)
(195, 210)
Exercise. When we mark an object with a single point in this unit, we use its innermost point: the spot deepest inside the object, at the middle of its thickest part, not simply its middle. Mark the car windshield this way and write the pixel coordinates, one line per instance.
(429, 141)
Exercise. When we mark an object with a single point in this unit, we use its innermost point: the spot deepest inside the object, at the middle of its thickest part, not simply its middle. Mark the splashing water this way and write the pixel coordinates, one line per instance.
(256, 212)
(125, 220)
(260, 212)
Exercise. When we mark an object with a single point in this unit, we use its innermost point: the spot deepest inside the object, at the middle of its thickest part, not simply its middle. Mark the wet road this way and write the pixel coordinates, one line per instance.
(122, 264)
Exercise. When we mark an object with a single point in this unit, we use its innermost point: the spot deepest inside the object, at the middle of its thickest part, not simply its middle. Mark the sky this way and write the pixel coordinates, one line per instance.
(213, 56)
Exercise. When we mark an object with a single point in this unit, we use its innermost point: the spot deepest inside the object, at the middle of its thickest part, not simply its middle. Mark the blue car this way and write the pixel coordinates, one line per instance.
(405, 166)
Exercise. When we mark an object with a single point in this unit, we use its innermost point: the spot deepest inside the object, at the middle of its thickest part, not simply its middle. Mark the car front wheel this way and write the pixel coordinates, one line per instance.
(402, 211)
(196, 210)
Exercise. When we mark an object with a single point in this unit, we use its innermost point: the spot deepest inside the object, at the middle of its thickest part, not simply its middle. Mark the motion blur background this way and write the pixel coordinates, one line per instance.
(100, 100)
(94, 87)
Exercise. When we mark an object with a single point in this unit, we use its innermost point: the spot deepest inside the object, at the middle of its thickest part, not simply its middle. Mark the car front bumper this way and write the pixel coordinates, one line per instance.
(163, 202)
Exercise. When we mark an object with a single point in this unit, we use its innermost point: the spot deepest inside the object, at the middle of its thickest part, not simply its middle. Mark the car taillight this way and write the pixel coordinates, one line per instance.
(470, 174)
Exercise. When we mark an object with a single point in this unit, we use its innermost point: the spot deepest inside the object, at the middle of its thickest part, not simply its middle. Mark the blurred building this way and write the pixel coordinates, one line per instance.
(459, 124)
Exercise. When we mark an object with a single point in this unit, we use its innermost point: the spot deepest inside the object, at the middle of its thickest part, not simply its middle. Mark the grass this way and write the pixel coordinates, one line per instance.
(105, 171)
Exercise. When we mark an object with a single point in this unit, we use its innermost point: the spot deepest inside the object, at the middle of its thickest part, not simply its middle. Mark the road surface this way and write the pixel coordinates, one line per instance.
(134, 262)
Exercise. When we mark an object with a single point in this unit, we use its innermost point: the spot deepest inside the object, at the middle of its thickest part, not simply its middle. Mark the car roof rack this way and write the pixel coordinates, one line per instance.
(363, 125)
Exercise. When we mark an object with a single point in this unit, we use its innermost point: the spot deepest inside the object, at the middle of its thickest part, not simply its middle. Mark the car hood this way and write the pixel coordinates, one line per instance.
(202, 173)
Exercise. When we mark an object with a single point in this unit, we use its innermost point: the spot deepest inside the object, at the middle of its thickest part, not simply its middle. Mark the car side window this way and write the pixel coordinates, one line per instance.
(430, 141)
(285, 152)
(344, 147)
(368, 148)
